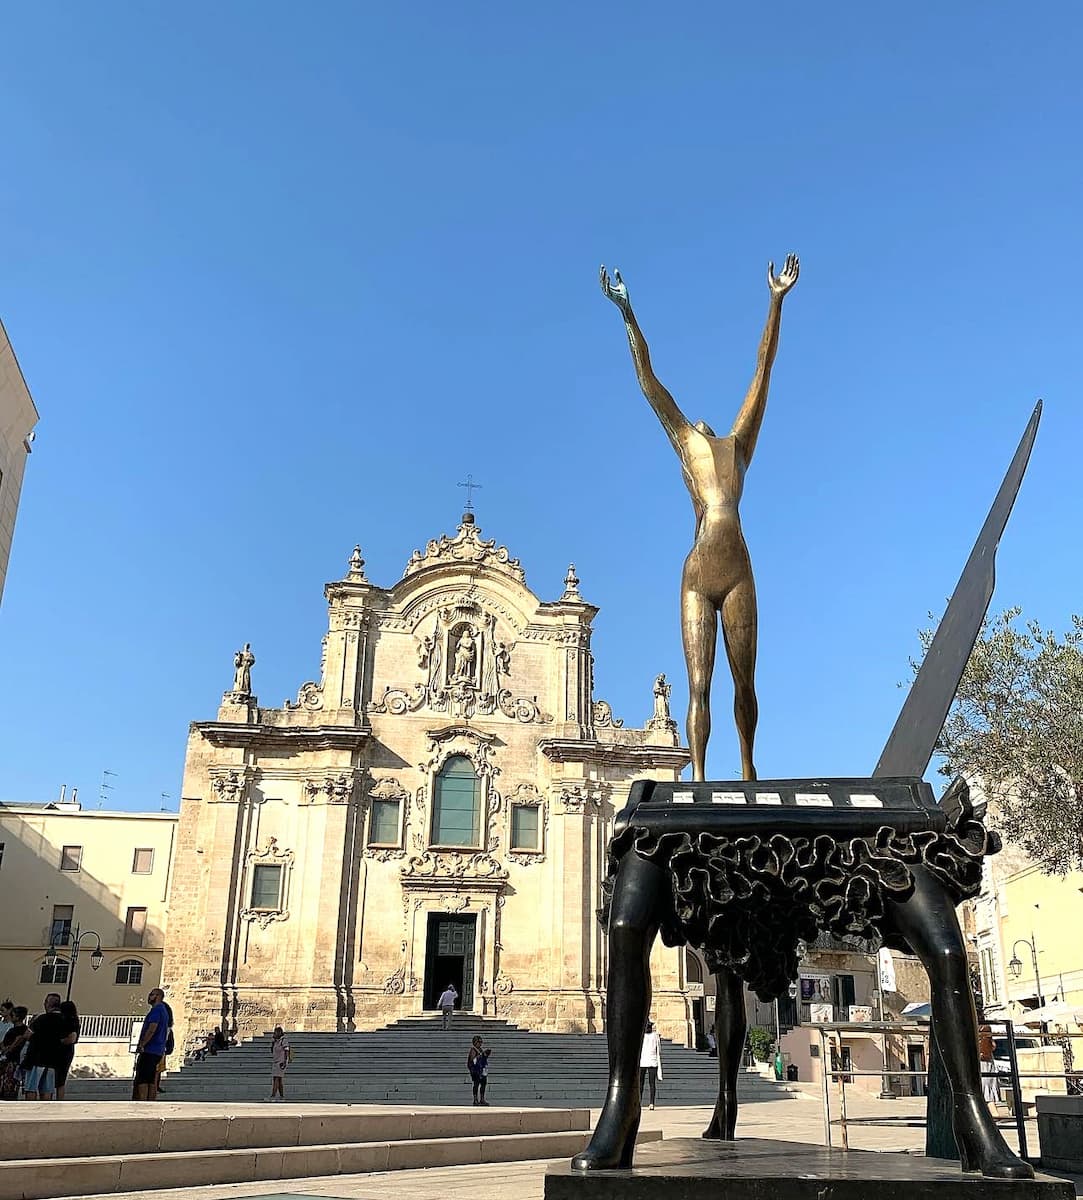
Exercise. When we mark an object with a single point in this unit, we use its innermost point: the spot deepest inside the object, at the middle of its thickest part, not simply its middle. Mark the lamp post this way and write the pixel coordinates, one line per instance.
(75, 939)
(1016, 968)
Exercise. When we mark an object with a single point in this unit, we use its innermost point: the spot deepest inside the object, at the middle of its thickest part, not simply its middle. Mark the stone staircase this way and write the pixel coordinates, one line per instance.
(71, 1149)
(414, 1061)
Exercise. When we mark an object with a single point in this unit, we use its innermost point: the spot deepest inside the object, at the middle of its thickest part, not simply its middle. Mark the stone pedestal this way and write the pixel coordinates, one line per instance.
(756, 1169)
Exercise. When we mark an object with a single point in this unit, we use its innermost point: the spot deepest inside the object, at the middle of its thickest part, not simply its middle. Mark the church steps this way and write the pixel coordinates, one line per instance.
(43, 1179)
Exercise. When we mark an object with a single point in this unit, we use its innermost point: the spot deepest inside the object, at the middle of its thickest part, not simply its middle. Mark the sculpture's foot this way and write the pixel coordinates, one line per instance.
(723, 1123)
(987, 1150)
(613, 1143)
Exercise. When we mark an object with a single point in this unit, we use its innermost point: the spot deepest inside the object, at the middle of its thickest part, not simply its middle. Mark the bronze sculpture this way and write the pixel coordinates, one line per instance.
(708, 866)
(717, 579)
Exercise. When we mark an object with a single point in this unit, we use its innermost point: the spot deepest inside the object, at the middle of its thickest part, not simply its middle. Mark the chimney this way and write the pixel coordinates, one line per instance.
(63, 792)
(74, 795)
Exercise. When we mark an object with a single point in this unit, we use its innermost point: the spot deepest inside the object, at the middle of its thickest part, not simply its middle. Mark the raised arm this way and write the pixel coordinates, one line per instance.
(674, 422)
(746, 429)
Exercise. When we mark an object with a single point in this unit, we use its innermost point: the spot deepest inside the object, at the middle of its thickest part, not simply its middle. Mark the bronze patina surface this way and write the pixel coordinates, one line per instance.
(717, 579)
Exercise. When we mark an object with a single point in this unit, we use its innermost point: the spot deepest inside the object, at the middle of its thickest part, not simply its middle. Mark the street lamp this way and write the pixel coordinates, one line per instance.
(1016, 968)
(75, 940)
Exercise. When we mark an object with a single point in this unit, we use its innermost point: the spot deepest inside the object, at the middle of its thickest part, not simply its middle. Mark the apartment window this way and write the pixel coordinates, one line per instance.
(60, 929)
(135, 924)
(844, 996)
(456, 816)
(71, 858)
(142, 861)
(129, 972)
(266, 887)
(54, 973)
(384, 825)
(524, 827)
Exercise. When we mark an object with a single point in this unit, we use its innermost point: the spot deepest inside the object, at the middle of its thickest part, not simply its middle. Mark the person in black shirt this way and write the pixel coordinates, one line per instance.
(67, 1046)
(43, 1052)
(11, 1049)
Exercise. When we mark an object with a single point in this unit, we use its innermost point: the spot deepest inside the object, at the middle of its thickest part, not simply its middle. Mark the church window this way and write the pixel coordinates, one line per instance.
(129, 972)
(384, 824)
(266, 887)
(456, 810)
(524, 827)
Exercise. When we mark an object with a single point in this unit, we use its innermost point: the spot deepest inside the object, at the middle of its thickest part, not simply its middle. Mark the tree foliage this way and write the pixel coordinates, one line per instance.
(1016, 726)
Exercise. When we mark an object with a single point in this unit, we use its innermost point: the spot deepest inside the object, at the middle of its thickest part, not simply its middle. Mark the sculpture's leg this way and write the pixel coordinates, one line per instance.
(730, 1027)
(633, 923)
(928, 922)
(739, 632)
(699, 630)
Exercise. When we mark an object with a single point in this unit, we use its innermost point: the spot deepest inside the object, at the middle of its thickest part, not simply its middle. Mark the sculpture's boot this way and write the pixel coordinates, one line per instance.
(613, 1143)
(724, 1119)
(730, 1027)
(982, 1146)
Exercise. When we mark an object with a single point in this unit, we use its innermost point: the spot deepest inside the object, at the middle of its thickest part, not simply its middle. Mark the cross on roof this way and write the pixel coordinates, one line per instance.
(470, 485)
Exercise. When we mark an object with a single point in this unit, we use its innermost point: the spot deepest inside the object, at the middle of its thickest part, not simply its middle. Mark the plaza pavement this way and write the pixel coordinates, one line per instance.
(873, 1125)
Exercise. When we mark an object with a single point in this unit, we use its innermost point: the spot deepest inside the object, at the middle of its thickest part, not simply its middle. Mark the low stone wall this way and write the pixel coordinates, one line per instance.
(1060, 1132)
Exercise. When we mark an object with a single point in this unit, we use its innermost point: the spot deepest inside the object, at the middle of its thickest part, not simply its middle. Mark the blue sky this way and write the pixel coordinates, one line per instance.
(279, 277)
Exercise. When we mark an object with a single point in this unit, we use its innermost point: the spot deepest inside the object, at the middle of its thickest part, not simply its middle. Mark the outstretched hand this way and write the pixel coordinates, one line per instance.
(615, 289)
(780, 284)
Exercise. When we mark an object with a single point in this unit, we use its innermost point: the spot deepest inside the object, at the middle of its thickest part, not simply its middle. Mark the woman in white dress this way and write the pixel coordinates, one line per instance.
(650, 1062)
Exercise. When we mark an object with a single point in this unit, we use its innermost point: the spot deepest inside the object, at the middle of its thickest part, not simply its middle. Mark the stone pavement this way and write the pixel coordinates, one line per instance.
(876, 1125)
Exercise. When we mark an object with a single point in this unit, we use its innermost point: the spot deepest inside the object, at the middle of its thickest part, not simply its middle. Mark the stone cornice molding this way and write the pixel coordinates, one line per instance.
(641, 757)
(297, 737)
(467, 547)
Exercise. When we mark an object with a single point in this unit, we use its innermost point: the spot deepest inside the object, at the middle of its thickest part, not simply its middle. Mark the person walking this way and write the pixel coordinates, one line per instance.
(280, 1060)
(446, 1003)
(650, 1061)
(67, 1046)
(477, 1063)
(44, 1050)
(151, 1046)
(170, 1046)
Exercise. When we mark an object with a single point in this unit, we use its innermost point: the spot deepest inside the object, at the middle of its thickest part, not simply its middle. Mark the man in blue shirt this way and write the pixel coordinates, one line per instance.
(152, 1042)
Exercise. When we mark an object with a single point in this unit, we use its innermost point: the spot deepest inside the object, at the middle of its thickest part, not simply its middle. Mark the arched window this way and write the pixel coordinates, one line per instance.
(129, 972)
(456, 808)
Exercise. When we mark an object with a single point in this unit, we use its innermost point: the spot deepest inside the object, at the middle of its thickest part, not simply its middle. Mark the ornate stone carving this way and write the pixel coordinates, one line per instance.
(337, 788)
(603, 716)
(395, 983)
(576, 801)
(270, 855)
(389, 788)
(356, 570)
(453, 864)
(571, 585)
(398, 700)
(466, 546)
(310, 695)
(243, 662)
(228, 785)
(504, 985)
(526, 795)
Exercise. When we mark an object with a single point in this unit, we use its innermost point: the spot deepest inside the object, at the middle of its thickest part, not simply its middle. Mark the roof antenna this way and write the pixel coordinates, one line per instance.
(104, 787)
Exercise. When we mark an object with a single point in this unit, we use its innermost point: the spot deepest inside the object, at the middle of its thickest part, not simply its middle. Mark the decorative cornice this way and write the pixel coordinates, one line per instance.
(311, 737)
(467, 546)
(576, 750)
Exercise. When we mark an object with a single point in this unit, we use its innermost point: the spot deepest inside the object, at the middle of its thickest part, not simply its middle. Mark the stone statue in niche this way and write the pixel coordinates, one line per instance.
(466, 657)
(503, 659)
(243, 662)
(661, 699)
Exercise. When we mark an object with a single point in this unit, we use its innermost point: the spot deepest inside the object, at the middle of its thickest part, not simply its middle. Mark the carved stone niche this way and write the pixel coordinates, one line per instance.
(269, 856)
(466, 665)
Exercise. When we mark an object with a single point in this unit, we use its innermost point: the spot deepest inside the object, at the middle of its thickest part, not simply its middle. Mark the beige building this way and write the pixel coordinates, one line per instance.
(434, 808)
(103, 875)
(18, 416)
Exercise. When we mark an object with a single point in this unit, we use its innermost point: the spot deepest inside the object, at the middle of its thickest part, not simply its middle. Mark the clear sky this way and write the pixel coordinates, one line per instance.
(280, 275)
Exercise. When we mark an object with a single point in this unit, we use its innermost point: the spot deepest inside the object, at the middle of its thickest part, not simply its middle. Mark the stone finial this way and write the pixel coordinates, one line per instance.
(571, 584)
(357, 565)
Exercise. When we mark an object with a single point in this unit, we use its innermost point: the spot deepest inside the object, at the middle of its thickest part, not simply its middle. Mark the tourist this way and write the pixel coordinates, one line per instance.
(6, 1022)
(218, 1040)
(446, 1003)
(477, 1063)
(12, 1047)
(44, 1050)
(169, 1047)
(650, 1061)
(151, 1047)
(712, 1044)
(67, 1047)
(990, 1092)
(280, 1060)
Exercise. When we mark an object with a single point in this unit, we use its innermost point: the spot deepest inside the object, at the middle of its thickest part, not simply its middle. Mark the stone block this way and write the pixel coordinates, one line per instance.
(358, 1159)
(33, 1179)
(268, 1164)
(524, 1146)
(193, 1133)
(305, 1162)
(1060, 1132)
(271, 1129)
(457, 1152)
(319, 1129)
(73, 1137)
(153, 1172)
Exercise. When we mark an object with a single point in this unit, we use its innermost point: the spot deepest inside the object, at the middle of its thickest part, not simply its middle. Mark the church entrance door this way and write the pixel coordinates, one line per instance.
(449, 958)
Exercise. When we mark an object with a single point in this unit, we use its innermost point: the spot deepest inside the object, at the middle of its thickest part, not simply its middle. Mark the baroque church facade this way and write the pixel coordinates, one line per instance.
(434, 809)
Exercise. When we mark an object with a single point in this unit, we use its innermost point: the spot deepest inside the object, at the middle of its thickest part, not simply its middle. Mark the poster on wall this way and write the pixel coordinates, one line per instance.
(815, 989)
(819, 1013)
(860, 1012)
